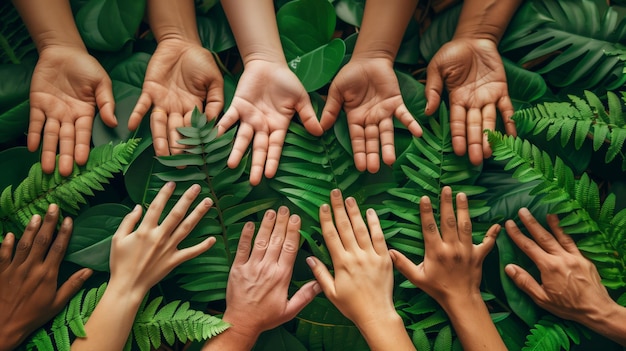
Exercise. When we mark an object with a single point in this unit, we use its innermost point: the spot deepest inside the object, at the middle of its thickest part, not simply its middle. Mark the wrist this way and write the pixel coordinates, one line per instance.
(478, 32)
(176, 34)
(129, 293)
(265, 56)
(454, 302)
(51, 40)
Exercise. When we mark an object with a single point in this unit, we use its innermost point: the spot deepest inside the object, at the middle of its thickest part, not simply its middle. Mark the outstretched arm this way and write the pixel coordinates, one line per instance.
(570, 287)
(471, 69)
(66, 87)
(362, 286)
(140, 258)
(452, 270)
(367, 87)
(268, 93)
(181, 75)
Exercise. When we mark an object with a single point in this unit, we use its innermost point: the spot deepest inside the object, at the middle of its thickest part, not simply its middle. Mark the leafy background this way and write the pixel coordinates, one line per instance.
(566, 67)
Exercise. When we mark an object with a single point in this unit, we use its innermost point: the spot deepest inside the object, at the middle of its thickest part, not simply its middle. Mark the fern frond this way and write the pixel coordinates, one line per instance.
(39, 190)
(15, 42)
(578, 201)
(550, 334)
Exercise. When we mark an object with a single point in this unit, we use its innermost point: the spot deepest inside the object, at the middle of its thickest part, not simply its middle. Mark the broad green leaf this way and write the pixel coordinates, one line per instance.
(278, 339)
(215, 33)
(350, 11)
(14, 172)
(524, 86)
(305, 25)
(316, 68)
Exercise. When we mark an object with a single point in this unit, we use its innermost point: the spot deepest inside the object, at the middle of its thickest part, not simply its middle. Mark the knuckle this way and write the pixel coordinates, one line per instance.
(290, 246)
(42, 240)
(430, 227)
(23, 246)
(260, 244)
(466, 227)
(57, 248)
(451, 222)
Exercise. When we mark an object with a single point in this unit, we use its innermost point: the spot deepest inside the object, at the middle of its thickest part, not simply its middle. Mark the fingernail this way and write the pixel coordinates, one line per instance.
(283, 210)
(170, 184)
(317, 288)
(86, 274)
(52, 209)
(249, 225)
(207, 202)
(311, 261)
(335, 193)
(137, 208)
(350, 201)
(462, 197)
(195, 188)
(270, 214)
(426, 108)
(371, 212)
(35, 220)
(294, 219)
(325, 208)
(510, 270)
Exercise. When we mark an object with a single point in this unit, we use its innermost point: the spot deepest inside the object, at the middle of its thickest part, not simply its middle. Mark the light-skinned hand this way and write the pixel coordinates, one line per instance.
(267, 96)
(181, 76)
(28, 280)
(473, 73)
(368, 91)
(67, 86)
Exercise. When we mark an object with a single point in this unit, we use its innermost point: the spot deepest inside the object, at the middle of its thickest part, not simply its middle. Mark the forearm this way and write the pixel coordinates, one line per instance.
(383, 26)
(109, 326)
(485, 19)
(253, 23)
(473, 325)
(173, 20)
(50, 23)
(392, 336)
(609, 322)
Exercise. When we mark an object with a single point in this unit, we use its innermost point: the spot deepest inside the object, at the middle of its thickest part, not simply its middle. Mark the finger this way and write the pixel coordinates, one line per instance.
(151, 219)
(407, 268)
(376, 232)
(192, 220)
(529, 247)
(406, 118)
(244, 246)
(214, 99)
(371, 148)
(57, 250)
(542, 237)
(276, 140)
(307, 116)
(174, 120)
(69, 289)
(489, 123)
(330, 234)
(129, 222)
(158, 126)
(262, 240)
(322, 276)
(228, 120)
(342, 221)
(429, 226)
(193, 251)
(25, 243)
(43, 238)
(244, 136)
(565, 240)
(83, 126)
(464, 223)
(359, 228)
(386, 141)
(35, 125)
(50, 142)
(259, 156)
(179, 211)
(457, 129)
(278, 235)
(489, 241)
(357, 137)
(433, 88)
(334, 101)
(475, 136)
(6, 251)
(66, 149)
(291, 243)
(526, 282)
(506, 111)
(447, 219)
(300, 299)
(141, 108)
(106, 102)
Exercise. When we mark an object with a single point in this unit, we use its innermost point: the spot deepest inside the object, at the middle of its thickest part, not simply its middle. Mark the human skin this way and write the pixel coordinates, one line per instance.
(570, 287)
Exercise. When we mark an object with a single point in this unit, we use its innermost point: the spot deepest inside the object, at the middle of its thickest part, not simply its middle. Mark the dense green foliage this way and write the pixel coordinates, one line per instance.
(565, 63)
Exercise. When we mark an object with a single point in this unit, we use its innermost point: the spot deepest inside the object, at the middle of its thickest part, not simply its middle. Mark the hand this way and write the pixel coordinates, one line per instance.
(180, 76)
(141, 258)
(66, 87)
(571, 287)
(256, 295)
(473, 73)
(369, 92)
(28, 283)
(452, 266)
(267, 96)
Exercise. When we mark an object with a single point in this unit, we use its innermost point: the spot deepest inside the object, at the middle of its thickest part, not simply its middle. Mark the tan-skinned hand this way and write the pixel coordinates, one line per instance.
(257, 291)
(473, 73)
(267, 96)
(28, 280)
(181, 76)
(141, 257)
(67, 86)
(368, 91)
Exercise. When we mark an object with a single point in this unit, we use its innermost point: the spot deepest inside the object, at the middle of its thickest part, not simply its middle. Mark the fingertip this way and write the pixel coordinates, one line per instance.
(510, 270)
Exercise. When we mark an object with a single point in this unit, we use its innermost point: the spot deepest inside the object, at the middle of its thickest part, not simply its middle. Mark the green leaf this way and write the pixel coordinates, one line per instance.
(350, 11)
(215, 33)
(305, 25)
(317, 67)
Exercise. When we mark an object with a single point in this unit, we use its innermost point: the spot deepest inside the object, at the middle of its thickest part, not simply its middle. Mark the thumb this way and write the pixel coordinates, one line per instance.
(70, 288)
(106, 103)
(322, 275)
(526, 283)
(433, 89)
(405, 266)
(308, 117)
(334, 101)
(301, 298)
